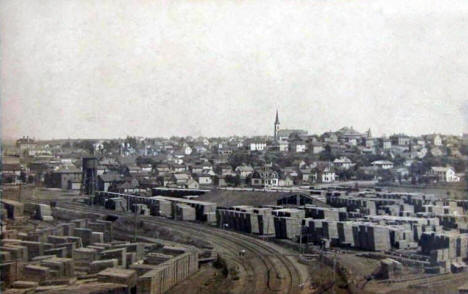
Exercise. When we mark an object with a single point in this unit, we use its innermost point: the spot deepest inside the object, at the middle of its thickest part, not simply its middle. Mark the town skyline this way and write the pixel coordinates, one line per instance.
(277, 126)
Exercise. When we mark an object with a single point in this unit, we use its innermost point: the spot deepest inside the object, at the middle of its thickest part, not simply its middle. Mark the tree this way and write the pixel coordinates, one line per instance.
(326, 154)
(232, 180)
(345, 174)
(87, 145)
(131, 141)
(238, 158)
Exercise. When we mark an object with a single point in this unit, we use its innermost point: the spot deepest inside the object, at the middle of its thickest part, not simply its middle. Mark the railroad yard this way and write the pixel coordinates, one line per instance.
(238, 249)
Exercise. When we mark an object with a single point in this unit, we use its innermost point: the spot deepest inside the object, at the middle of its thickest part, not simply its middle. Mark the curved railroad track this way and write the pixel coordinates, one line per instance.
(266, 268)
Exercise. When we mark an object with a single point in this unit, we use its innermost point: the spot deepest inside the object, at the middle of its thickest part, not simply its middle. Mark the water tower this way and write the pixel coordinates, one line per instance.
(89, 177)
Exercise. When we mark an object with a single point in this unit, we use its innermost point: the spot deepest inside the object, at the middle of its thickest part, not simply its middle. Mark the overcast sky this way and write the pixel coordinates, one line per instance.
(101, 69)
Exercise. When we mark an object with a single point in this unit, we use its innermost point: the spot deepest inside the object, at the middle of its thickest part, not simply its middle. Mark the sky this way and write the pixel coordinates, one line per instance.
(104, 69)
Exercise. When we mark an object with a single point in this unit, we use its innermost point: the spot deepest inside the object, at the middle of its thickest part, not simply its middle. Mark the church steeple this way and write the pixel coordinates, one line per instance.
(276, 127)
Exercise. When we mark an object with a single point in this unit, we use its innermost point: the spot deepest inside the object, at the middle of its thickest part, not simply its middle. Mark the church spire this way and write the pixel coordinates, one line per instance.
(276, 127)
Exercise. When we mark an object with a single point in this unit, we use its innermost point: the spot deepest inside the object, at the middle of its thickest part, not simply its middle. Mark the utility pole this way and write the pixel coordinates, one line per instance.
(20, 188)
(334, 273)
(300, 238)
(135, 226)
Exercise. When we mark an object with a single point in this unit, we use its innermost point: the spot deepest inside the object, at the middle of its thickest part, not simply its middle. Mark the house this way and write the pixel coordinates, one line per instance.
(297, 146)
(207, 166)
(244, 171)
(283, 145)
(326, 175)
(192, 184)
(385, 143)
(434, 140)
(265, 177)
(343, 163)
(188, 150)
(25, 145)
(200, 149)
(106, 180)
(316, 147)
(286, 182)
(349, 135)
(306, 175)
(64, 178)
(400, 139)
(258, 145)
(178, 168)
(162, 169)
(133, 169)
(11, 172)
(420, 141)
(382, 164)
(180, 179)
(204, 179)
(146, 168)
(444, 174)
(196, 169)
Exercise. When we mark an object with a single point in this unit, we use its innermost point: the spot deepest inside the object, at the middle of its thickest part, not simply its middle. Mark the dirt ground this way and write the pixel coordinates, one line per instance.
(208, 280)
(229, 198)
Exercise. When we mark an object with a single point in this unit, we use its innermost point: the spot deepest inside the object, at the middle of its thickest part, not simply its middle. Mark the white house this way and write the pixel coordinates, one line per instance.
(257, 146)
(328, 175)
(244, 171)
(444, 174)
(205, 179)
(383, 164)
(343, 162)
(297, 146)
(265, 178)
(188, 150)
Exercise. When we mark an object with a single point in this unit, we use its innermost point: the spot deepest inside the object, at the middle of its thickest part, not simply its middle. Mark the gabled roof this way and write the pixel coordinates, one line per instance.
(440, 168)
(110, 177)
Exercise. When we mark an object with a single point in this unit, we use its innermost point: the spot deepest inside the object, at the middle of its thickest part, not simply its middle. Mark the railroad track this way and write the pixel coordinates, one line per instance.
(267, 269)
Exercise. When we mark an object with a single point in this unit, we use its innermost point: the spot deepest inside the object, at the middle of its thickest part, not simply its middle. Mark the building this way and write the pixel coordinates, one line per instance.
(67, 179)
(433, 139)
(11, 172)
(265, 177)
(107, 180)
(349, 135)
(326, 175)
(244, 171)
(204, 179)
(276, 127)
(382, 164)
(343, 163)
(257, 145)
(444, 174)
(400, 140)
(297, 146)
